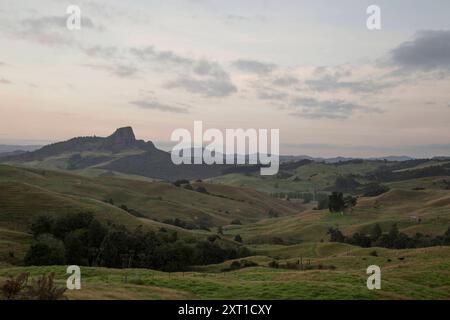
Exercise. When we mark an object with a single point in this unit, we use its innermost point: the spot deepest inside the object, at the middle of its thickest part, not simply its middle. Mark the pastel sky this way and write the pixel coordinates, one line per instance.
(310, 68)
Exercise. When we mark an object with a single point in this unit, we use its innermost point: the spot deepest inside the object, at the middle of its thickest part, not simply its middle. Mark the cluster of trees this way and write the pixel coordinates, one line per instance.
(346, 184)
(374, 189)
(392, 239)
(273, 213)
(337, 202)
(125, 208)
(187, 185)
(82, 240)
(307, 197)
(202, 224)
(392, 174)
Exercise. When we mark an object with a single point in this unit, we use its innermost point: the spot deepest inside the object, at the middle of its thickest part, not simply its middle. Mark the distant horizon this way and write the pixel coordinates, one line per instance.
(325, 151)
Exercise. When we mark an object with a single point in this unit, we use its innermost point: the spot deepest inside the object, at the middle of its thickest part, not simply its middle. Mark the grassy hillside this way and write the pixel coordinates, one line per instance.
(317, 176)
(304, 178)
(403, 207)
(26, 193)
(38, 191)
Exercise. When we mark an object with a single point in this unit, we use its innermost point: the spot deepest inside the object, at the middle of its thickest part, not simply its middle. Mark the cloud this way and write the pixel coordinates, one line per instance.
(5, 81)
(208, 68)
(169, 57)
(50, 30)
(332, 83)
(120, 70)
(285, 81)
(206, 87)
(312, 108)
(272, 95)
(427, 51)
(201, 76)
(326, 79)
(155, 105)
(253, 66)
(101, 51)
(200, 67)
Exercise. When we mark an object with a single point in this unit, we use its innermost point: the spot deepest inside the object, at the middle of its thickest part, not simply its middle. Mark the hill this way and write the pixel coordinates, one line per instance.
(27, 191)
(117, 153)
(425, 211)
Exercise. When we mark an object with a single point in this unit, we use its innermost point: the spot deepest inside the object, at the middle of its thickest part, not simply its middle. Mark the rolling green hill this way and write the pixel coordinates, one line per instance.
(403, 207)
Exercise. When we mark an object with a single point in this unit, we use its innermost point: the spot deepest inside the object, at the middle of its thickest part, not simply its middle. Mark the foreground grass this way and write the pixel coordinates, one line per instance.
(406, 274)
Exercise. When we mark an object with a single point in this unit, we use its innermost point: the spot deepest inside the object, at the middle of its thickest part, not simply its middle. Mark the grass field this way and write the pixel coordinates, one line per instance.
(307, 178)
(396, 206)
(420, 274)
(25, 192)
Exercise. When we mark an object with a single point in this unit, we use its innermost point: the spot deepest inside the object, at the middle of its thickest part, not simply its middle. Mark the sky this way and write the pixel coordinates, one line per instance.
(309, 68)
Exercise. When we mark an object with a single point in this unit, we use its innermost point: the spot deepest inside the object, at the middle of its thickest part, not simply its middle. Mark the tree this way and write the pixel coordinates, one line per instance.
(336, 202)
(46, 251)
(360, 240)
(447, 237)
(393, 232)
(374, 189)
(376, 232)
(323, 204)
(71, 222)
(238, 238)
(273, 214)
(42, 224)
(77, 245)
(350, 202)
(336, 235)
(236, 222)
(201, 189)
(345, 184)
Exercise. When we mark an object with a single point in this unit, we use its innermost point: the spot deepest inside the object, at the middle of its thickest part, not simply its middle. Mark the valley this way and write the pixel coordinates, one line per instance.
(284, 221)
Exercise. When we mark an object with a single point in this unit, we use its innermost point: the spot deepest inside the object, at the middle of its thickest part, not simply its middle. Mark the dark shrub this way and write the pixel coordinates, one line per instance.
(45, 251)
(236, 222)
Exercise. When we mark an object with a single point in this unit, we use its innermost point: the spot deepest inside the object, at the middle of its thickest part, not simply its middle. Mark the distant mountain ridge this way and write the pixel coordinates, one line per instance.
(121, 139)
(119, 152)
(122, 153)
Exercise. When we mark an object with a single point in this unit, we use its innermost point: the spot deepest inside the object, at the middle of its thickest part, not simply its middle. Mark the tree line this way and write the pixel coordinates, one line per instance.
(81, 239)
(393, 239)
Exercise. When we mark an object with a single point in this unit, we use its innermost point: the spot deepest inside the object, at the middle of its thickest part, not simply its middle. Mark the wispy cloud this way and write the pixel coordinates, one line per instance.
(120, 70)
(313, 108)
(156, 105)
(285, 81)
(49, 30)
(272, 95)
(150, 53)
(205, 87)
(108, 52)
(201, 76)
(253, 66)
(333, 82)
